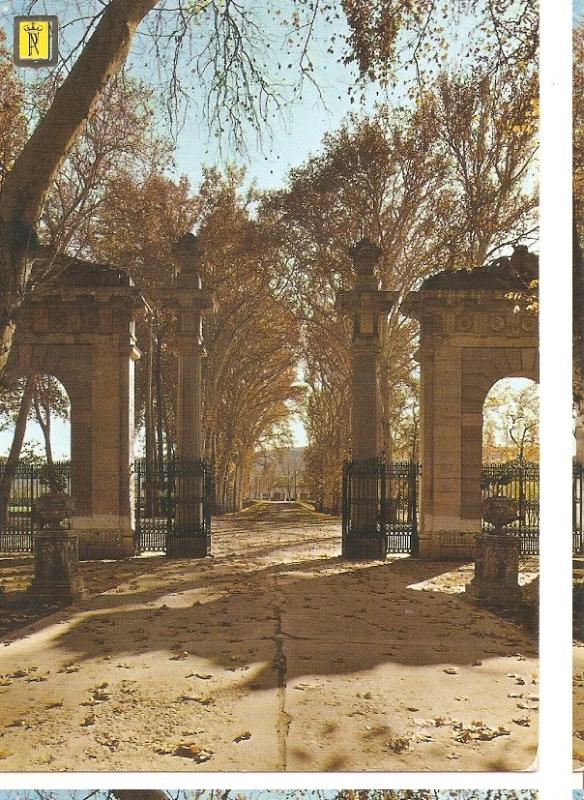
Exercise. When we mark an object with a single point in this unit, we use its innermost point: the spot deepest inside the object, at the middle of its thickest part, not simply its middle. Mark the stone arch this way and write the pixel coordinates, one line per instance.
(482, 368)
(81, 330)
(470, 337)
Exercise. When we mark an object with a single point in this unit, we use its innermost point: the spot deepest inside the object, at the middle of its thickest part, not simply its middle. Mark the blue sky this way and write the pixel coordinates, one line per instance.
(294, 135)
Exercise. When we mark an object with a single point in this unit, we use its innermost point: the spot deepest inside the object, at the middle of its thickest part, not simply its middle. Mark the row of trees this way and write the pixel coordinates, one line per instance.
(578, 220)
(445, 184)
(439, 185)
(440, 182)
(312, 794)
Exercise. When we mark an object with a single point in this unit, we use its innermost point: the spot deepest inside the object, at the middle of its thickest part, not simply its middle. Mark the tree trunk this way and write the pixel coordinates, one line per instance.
(15, 447)
(139, 794)
(159, 410)
(149, 432)
(234, 488)
(45, 426)
(25, 186)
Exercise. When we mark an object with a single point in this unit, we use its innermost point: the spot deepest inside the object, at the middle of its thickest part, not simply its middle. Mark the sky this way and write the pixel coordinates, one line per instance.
(293, 137)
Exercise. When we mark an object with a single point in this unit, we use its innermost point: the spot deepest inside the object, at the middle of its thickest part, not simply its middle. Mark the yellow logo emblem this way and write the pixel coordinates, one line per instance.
(35, 41)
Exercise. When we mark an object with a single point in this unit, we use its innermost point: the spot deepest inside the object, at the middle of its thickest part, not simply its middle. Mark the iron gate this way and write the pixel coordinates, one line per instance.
(157, 494)
(29, 482)
(395, 487)
(520, 480)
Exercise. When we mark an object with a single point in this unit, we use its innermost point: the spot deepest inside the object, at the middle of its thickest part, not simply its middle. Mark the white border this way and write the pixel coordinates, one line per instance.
(554, 778)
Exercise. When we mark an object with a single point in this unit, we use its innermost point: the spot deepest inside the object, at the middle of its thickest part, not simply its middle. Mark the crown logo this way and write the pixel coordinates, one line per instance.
(36, 40)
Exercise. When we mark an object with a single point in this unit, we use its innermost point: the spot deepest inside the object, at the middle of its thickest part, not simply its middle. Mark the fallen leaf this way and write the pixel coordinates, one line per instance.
(180, 656)
(198, 754)
(398, 745)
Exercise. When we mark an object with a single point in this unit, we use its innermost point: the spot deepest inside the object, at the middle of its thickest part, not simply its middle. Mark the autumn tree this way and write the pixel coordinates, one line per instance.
(13, 120)
(252, 342)
(286, 794)
(444, 184)
(118, 137)
(578, 209)
(511, 423)
(486, 127)
(224, 45)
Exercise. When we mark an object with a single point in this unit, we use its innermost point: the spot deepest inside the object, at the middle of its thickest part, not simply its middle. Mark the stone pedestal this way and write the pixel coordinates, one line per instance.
(56, 564)
(496, 580)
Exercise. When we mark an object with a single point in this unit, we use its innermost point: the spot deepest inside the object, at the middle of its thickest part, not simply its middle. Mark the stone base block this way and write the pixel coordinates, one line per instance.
(447, 545)
(496, 580)
(96, 544)
(365, 547)
(178, 546)
(56, 576)
(499, 596)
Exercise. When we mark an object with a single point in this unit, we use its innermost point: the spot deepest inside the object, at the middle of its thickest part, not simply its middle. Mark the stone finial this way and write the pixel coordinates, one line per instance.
(499, 511)
(189, 254)
(523, 262)
(53, 508)
(365, 255)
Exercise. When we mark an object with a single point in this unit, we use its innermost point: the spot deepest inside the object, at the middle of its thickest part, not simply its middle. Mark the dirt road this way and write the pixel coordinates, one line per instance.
(275, 654)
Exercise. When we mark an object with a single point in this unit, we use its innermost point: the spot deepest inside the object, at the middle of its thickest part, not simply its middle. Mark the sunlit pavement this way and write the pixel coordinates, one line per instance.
(275, 654)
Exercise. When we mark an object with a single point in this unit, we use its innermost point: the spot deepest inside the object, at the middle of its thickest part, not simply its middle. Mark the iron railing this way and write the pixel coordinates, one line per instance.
(518, 479)
(394, 511)
(391, 493)
(157, 494)
(28, 483)
(171, 499)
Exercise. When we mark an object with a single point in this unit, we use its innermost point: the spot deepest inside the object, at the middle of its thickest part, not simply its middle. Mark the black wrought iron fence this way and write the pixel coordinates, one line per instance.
(28, 482)
(395, 489)
(170, 498)
(520, 480)
(394, 485)
(578, 508)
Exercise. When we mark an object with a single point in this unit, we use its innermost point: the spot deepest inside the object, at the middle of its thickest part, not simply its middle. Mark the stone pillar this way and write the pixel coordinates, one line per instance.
(579, 434)
(496, 578)
(450, 448)
(102, 442)
(367, 304)
(190, 537)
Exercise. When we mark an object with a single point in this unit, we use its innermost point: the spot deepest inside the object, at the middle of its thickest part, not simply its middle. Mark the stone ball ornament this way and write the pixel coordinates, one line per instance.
(53, 509)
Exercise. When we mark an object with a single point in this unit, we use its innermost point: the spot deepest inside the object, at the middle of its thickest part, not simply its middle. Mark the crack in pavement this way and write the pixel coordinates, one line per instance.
(284, 719)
